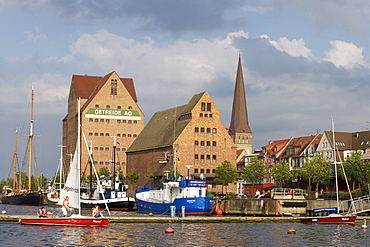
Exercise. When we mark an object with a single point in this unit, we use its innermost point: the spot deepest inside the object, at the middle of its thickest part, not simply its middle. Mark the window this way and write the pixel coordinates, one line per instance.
(134, 135)
(123, 121)
(208, 130)
(107, 163)
(101, 163)
(214, 130)
(90, 120)
(195, 156)
(102, 120)
(208, 106)
(101, 134)
(214, 157)
(106, 134)
(118, 121)
(203, 106)
(96, 120)
(123, 163)
(208, 157)
(210, 115)
(208, 143)
(202, 156)
(96, 134)
(123, 149)
(130, 107)
(118, 149)
(213, 170)
(129, 121)
(106, 149)
(119, 107)
(96, 106)
(107, 120)
(113, 87)
(135, 121)
(208, 170)
(90, 133)
(201, 115)
(118, 135)
(128, 135)
(205, 115)
(202, 143)
(201, 170)
(117, 163)
(214, 144)
(196, 143)
(196, 129)
(101, 148)
(96, 148)
(107, 106)
(123, 135)
(202, 130)
(196, 170)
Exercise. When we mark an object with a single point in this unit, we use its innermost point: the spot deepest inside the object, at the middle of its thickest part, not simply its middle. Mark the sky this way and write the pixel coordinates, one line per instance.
(304, 62)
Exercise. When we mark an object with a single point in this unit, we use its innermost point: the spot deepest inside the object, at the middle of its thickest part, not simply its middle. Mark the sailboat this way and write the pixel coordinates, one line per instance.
(72, 190)
(110, 193)
(53, 195)
(334, 218)
(24, 196)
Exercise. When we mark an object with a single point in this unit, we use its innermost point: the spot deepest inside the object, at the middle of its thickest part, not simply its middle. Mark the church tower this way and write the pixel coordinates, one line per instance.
(239, 130)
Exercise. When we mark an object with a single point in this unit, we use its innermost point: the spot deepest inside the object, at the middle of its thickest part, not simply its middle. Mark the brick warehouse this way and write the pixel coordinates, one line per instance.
(108, 108)
(195, 130)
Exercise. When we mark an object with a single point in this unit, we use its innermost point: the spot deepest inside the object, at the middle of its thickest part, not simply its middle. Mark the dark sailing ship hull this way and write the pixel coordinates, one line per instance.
(31, 199)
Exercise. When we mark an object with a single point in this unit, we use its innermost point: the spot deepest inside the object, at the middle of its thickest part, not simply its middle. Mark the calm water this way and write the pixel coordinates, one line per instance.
(196, 234)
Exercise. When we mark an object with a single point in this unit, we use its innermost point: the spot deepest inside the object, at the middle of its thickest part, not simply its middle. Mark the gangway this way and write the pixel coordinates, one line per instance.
(356, 206)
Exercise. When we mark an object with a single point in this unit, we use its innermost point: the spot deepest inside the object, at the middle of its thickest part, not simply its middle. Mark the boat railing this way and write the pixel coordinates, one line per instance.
(287, 193)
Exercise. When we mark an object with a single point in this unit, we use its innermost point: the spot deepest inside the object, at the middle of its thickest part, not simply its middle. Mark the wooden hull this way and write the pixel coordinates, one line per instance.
(31, 199)
(330, 219)
(67, 221)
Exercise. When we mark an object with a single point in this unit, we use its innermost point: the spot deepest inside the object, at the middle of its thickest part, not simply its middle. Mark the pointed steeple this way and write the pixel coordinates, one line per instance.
(239, 129)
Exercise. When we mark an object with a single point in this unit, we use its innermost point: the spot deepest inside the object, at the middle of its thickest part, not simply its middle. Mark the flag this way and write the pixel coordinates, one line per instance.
(178, 160)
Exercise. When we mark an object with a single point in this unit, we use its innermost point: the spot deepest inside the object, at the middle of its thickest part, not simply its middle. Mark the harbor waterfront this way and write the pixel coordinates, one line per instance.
(144, 230)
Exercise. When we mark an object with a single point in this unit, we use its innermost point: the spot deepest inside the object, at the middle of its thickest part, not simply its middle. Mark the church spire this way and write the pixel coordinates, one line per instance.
(239, 129)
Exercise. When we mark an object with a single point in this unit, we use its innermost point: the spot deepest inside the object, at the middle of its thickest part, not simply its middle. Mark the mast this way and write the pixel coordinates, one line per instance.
(30, 141)
(114, 162)
(335, 165)
(79, 154)
(15, 160)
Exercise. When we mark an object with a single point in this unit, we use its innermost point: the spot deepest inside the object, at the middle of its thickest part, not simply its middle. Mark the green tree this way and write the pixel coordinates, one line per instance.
(3, 183)
(225, 173)
(150, 177)
(132, 177)
(282, 173)
(254, 172)
(316, 170)
(356, 169)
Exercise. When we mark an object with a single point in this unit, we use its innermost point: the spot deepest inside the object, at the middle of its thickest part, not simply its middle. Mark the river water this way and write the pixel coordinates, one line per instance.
(194, 234)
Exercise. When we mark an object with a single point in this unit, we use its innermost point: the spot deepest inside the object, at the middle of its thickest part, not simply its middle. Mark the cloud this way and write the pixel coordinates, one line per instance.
(36, 36)
(295, 48)
(346, 55)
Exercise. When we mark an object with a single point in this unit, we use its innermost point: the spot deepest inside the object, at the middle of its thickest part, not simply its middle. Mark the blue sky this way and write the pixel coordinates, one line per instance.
(304, 62)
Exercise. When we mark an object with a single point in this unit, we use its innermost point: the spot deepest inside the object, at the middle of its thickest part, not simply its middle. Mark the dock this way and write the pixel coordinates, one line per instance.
(187, 219)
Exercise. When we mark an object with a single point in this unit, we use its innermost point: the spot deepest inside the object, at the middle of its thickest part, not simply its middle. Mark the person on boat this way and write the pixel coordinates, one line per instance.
(42, 213)
(95, 212)
(65, 205)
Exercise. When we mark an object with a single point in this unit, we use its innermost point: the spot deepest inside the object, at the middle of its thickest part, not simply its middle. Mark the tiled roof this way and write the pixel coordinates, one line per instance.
(164, 127)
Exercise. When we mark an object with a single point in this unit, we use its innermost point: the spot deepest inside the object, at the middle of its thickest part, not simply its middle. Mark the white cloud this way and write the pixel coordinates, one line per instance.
(36, 36)
(346, 55)
(295, 48)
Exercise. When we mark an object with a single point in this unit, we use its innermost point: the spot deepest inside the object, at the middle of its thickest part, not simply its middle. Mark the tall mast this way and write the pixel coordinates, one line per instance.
(335, 165)
(30, 141)
(114, 162)
(15, 160)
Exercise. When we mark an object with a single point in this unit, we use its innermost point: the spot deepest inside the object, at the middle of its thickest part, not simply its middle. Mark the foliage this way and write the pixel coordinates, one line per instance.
(225, 173)
(356, 169)
(316, 170)
(150, 178)
(132, 177)
(255, 171)
(282, 173)
(2, 184)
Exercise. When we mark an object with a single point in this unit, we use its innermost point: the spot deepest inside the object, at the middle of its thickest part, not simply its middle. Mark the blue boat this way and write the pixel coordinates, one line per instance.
(190, 194)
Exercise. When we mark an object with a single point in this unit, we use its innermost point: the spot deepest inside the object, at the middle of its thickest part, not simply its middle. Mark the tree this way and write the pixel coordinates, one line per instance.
(150, 178)
(356, 169)
(254, 172)
(316, 170)
(282, 173)
(225, 173)
(2, 185)
(132, 177)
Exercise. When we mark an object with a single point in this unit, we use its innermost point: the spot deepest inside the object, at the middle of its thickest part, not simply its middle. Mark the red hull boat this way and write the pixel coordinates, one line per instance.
(67, 221)
(330, 219)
